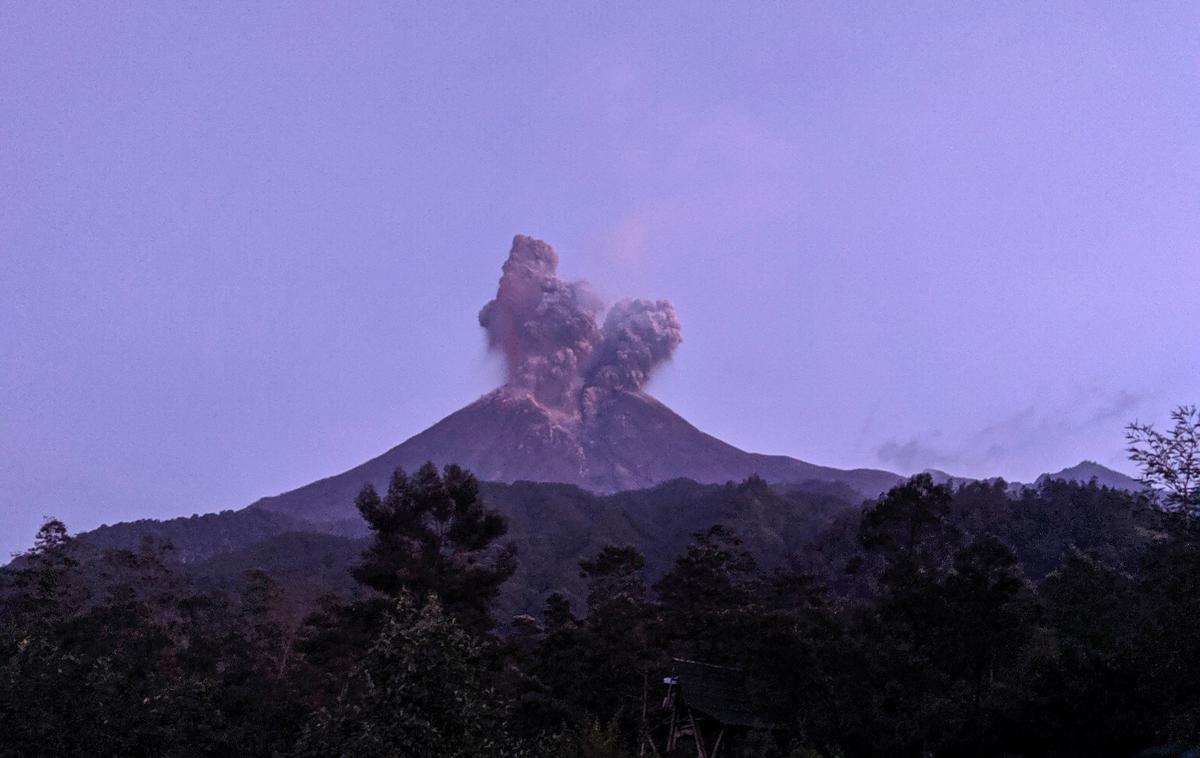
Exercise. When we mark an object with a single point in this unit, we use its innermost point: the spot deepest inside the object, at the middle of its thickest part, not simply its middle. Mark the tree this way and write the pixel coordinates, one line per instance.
(795, 655)
(989, 612)
(1170, 461)
(910, 526)
(1167, 589)
(550, 660)
(433, 535)
(107, 671)
(619, 638)
(1088, 689)
(419, 693)
(902, 637)
(707, 597)
(46, 586)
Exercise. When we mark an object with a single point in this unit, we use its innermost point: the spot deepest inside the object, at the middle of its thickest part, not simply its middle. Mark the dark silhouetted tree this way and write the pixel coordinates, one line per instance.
(1170, 461)
(419, 693)
(433, 534)
(910, 527)
(619, 644)
(708, 597)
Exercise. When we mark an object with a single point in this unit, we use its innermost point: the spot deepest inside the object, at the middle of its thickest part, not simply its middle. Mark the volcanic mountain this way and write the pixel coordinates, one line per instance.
(632, 442)
(573, 408)
(572, 451)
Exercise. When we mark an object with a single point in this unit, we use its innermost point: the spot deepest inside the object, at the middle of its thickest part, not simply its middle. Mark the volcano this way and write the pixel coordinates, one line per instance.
(632, 442)
(573, 409)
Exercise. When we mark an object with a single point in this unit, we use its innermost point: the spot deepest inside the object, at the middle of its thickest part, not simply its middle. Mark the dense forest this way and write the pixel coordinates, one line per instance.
(933, 621)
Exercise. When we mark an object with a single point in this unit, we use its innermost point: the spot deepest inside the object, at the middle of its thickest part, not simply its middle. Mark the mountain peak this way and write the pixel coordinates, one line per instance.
(629, 440)
(1086, 471)
(572, 408)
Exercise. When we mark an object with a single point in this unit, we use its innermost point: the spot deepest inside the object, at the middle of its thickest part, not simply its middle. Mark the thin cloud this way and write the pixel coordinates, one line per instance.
(998, 444)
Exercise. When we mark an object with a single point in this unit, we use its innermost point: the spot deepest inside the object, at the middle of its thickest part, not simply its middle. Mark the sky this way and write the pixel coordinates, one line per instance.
(243, 246)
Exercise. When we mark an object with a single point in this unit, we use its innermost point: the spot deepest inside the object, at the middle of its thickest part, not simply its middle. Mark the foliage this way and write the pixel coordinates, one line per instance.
(706, 597)
(1057, 621)
(1170, 461)
(910, 528)
(433, 536)
(419, 691)
(114, 656)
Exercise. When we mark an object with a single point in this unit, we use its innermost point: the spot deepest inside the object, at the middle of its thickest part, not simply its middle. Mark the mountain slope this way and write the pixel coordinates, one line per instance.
(630, 441)
(554, 526)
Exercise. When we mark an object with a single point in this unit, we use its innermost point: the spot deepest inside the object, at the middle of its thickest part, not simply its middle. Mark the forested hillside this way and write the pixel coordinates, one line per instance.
(811, 527)
(929, 622)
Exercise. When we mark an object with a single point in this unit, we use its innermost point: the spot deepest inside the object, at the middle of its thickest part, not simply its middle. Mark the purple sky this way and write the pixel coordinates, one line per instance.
(243, 248)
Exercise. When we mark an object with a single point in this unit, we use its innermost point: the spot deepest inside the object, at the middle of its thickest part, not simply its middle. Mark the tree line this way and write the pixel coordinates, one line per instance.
(941, 623)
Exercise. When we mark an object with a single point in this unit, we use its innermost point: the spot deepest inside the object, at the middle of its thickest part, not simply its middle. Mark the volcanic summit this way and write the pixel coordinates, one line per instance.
(573, 408)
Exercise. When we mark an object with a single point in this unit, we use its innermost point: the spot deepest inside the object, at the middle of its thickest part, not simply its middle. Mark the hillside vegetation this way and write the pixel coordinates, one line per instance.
(461, 619)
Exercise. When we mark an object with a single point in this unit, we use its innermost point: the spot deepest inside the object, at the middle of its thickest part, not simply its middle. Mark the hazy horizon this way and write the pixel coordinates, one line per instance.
(242, 249)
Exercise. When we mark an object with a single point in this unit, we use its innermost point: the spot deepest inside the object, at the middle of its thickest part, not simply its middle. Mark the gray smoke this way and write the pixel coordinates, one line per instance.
(638, 336)
(548, 331)
(545, 327)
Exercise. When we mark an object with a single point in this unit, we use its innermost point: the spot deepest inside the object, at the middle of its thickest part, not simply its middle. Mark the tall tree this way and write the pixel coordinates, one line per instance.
(620, 640)
(708, 596)
(419, 693)
(433, 534)
(46, 586)
(989, 616)
(910, 526)
(1087, 690)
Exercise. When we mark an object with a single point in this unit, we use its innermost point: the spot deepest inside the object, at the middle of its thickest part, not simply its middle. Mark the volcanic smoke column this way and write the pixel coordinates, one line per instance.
(551, 339)
(545, 327)
(638, 336)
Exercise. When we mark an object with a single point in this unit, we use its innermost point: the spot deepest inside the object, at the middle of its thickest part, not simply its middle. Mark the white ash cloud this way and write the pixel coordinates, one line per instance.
(550, 335)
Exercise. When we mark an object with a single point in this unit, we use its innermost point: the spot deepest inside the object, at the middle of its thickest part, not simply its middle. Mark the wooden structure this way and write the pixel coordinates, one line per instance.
(707, 703)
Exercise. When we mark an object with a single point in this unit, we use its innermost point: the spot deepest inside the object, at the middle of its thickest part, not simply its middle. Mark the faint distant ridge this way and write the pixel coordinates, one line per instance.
(1081, 473)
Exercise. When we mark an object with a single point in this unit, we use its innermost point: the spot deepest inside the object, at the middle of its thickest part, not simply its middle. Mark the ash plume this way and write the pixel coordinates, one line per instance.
(638, 336)
(549, 332)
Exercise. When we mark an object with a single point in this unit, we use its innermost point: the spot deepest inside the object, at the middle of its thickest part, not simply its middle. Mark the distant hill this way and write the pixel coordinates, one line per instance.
(196, 538)
(1090, 470)
(1084, 472)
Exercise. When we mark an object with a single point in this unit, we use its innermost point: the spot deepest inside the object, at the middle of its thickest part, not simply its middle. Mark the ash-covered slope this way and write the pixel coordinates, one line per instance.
(631, 441)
